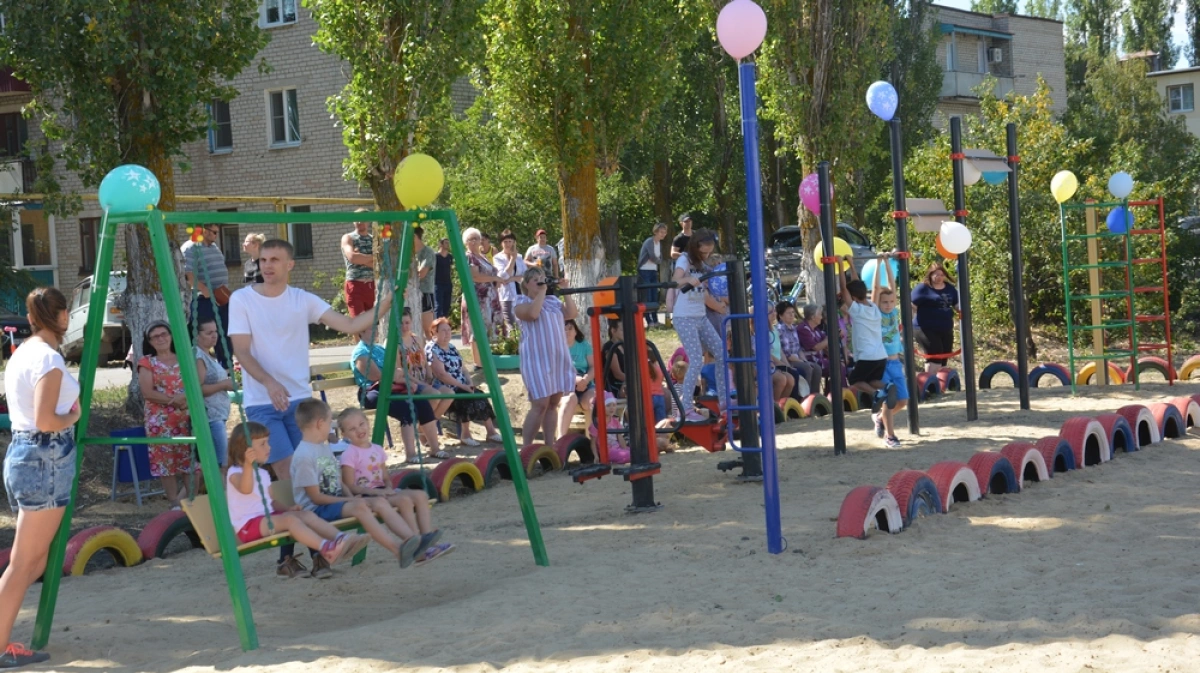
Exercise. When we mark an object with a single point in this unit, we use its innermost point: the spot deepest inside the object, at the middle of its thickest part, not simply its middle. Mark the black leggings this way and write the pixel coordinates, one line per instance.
(399, 409)
(936, 342)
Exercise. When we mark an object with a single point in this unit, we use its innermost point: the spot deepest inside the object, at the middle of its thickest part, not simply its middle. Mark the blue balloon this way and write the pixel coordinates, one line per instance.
(995, 177)
(129, 188)
(718, 286)
(872, 267)
(882, 100)
(1119, 220)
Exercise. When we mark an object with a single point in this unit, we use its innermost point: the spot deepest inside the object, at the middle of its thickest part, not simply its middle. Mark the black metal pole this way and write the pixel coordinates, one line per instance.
(832, 312)
(743, 373)
(635, 354)
(1020, 315)
(902, 280)
(967, 337)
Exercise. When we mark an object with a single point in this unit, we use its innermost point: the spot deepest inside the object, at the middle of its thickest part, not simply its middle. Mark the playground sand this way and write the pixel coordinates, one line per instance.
(1094, 570)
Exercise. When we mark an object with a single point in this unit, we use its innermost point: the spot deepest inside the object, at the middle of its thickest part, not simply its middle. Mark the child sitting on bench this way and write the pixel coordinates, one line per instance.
(246, 506)
(317, 487)
(364, 473)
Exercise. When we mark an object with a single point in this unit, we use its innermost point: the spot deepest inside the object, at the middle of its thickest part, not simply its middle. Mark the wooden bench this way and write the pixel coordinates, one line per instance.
(199, 512)
(318, 375)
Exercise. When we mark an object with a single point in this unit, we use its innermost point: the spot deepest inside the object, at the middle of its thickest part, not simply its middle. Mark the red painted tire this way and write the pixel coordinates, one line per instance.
(162, 530)
(456, 471)
(816, 405)
(493, 465)
(415, 479)
(927, 386)
(1001, 367)
(573, 442)
(1057, 454)
(949, 380)
(1188, 409)
(1143, 424)
(1049, 369)
(955, 482)
(1089, 442)
(84, 544)
(1154, 364)
(1170, 423)
(539, 459)
(996, 475)
(1028, 463)
(1119, 434)
(916, 495)
(866, 506)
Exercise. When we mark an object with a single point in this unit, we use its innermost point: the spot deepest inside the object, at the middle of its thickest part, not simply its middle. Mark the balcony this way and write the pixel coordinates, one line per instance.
(10, 84)
(17, 176)
(963, 84)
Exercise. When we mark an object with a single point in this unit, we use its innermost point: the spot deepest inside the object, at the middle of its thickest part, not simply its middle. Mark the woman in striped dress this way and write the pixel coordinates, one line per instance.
(546, 365)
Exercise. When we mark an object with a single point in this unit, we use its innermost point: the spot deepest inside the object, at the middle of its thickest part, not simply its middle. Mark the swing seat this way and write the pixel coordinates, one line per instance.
(199, 512)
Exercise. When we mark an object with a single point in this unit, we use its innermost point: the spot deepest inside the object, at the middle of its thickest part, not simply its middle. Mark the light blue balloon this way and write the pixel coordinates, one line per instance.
(872, 267)
(995, 177)
(718, 286)
(128, 189)
(1119, 220)
(882, 100)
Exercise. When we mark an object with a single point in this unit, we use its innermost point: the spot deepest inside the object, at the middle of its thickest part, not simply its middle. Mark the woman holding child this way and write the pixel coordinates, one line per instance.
(546, 366)
(691, 322)
(447, 367)
(166, 409)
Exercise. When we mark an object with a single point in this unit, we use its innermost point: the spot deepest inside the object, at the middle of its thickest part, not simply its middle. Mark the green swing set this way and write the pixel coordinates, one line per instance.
(217, 510)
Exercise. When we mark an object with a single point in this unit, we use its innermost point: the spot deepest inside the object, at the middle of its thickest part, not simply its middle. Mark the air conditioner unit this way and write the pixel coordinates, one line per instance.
(995, 55)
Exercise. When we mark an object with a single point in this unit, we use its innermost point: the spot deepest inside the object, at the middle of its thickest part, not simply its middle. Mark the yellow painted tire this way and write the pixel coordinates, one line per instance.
(456, 470)
(84, 544)
(849, 400)
(1090, 371)
(792, 409)
(540, 456)
(1189, 366)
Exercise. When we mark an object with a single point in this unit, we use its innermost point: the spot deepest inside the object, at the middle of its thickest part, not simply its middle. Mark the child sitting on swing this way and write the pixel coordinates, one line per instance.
(246, 503)
(364, 473)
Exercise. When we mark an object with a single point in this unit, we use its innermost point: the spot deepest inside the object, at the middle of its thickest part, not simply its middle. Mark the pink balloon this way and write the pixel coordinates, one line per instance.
(810, 193)
(741, 27)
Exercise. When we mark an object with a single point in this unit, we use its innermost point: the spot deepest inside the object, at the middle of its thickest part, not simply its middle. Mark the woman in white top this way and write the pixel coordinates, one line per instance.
(695, 331)
(39, 468)
(510, 266)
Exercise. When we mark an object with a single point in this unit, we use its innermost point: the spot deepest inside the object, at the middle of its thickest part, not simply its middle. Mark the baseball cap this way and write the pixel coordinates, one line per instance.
(540, 232)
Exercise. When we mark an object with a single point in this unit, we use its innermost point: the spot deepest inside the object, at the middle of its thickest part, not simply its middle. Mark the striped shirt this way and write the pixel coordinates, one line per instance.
(546, 365)
(214, 274)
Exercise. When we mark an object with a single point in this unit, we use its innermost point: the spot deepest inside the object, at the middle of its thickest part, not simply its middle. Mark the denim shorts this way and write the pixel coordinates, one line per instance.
(39, 470)
(285, 434)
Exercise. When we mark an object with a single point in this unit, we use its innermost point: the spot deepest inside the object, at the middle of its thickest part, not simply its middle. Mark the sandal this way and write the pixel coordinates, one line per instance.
(495, 437)
(415, 460)
(440, 455)
(469, 441)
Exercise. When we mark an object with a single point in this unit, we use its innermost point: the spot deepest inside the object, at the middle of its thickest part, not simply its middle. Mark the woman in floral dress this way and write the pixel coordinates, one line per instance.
(166, 410)
(484, 277)
(447, 367)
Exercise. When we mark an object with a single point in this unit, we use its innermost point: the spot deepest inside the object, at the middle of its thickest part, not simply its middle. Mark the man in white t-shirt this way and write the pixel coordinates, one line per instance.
(268, 325)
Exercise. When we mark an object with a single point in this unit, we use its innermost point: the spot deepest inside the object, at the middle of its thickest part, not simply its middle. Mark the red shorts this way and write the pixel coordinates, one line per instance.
(252, 530)
(360, 296)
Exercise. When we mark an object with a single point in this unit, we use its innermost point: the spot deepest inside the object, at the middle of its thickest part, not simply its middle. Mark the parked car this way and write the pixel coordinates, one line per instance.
(786, 251)
(114, 335)
(14, 329)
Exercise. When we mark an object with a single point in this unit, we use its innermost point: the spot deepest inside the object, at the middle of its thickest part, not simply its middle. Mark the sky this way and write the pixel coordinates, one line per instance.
(1178, 32)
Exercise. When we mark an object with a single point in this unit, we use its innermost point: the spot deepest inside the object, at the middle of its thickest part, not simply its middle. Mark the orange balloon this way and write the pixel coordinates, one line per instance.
(942, 249)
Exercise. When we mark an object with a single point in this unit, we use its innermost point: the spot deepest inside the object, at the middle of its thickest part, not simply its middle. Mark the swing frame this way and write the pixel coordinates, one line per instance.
(164, 256)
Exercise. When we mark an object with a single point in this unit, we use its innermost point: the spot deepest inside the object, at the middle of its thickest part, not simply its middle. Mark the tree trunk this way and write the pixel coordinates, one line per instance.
(142, 302)
(586, 259)
(662, 189)
(723, 195)
(814, 278)
(384, 194)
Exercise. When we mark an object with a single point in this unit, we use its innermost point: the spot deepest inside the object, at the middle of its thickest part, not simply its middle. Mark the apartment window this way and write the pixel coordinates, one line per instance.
(1181, 98)
(230, 240)
(284, 116)
(89, 231)
(278, 12)
(13, 134)
(300, 234)
(220, 127)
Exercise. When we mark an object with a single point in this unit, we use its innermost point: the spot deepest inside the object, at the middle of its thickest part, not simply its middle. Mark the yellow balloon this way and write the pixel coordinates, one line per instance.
(1063, 185)
(840, 249)
(418, 180)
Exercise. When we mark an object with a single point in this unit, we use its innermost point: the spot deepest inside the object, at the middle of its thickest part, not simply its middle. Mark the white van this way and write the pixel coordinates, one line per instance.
(114, 336)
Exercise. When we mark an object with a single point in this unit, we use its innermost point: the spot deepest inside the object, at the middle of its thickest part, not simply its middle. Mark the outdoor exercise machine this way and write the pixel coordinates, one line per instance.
(164, 254)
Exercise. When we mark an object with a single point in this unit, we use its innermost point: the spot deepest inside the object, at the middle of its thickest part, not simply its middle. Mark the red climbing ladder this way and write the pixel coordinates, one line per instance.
(1152, 286)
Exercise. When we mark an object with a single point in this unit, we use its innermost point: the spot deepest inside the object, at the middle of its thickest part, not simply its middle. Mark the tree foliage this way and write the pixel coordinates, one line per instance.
(994, 6)
(1044, 9)
(1146, 26)
(1191, 49)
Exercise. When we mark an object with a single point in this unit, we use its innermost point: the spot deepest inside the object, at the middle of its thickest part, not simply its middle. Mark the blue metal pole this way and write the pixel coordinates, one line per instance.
(758, 275)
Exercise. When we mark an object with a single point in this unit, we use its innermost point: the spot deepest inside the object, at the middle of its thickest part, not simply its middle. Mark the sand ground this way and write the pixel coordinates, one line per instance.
(1094, 570)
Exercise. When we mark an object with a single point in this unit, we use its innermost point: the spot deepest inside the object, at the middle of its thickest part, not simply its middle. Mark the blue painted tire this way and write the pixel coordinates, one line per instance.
(1120, 433)
(916, 495)
(928, 386)
(1057, 453)
(1000, 367)
(996, 475)
(1049, 369)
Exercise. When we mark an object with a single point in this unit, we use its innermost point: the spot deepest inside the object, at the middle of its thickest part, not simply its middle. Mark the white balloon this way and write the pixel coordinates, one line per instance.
(971, 175)
(956, 238)
(1120, 184)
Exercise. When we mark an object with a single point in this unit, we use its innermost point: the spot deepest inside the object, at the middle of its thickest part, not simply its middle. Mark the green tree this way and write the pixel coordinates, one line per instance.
(575, 80)
(994, 6)
(819, 58)
(1092, 25)
(126, 81)
(1146, 26)
(1192, 48)
(1045, 9)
